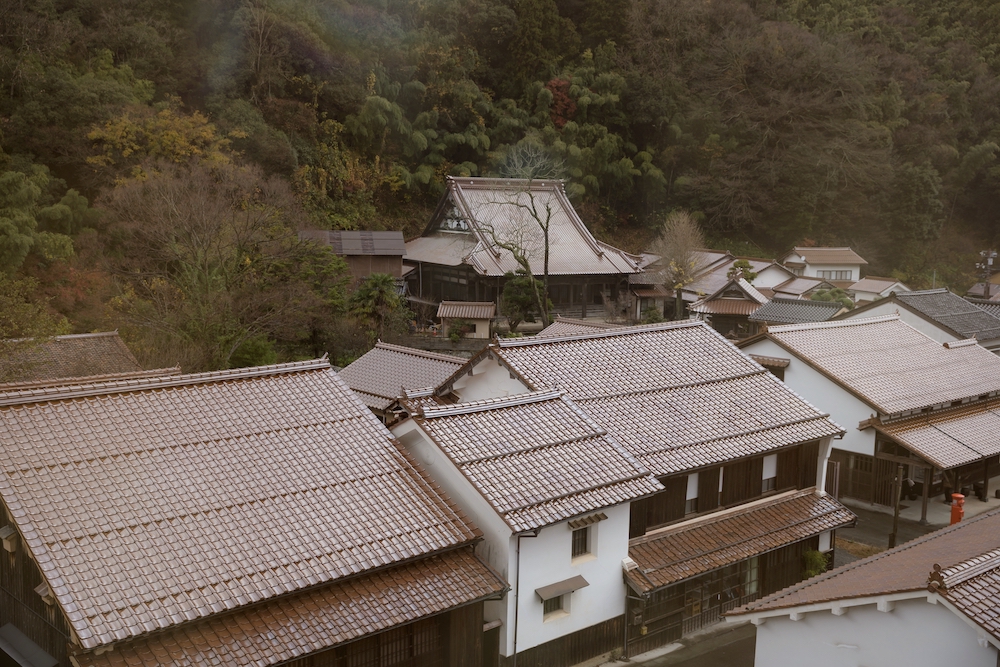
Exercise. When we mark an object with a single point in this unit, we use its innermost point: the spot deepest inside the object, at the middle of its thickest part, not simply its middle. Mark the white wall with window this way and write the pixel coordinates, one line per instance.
(833, 271)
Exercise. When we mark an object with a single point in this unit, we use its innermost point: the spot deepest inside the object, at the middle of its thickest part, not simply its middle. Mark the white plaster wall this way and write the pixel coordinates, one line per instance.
(812, 270)
(547, 559)
(916, 633)
(770, 277)
(920, 324)
(488, 380)
(827, 396)
(494, 548)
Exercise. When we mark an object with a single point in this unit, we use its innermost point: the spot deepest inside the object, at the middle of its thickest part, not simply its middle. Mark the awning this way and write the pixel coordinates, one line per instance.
(22, 650)
(674, 554)
(949, 438)
(561, 587)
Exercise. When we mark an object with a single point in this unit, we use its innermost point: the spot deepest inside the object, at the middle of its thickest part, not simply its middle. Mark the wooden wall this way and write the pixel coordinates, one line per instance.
(21, 605)
(573, 648)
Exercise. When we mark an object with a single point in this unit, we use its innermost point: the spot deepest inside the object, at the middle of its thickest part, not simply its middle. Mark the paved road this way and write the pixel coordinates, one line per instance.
(727, 646)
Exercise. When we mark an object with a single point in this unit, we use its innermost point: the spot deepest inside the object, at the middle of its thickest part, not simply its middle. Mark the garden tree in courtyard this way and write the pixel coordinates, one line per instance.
(210, 268)
(741, 268)
(835, 294)
(518, 303)
(677, 245)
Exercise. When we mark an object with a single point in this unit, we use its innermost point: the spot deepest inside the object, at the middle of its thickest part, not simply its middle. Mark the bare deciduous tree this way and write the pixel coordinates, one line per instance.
(677, 245)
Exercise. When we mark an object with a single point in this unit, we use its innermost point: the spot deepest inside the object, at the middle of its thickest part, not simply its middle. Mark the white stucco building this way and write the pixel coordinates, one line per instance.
(838, 264)
(931, 601)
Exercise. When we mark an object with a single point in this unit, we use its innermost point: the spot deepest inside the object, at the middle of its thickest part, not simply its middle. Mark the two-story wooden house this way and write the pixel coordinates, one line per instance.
(258, 516)
(741, 459)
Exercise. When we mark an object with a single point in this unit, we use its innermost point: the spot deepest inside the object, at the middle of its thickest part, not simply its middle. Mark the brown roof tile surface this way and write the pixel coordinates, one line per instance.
(973, 587)
(829, 255)
(673, 554)
(562, 326)
(380, 375)
(78, 355)
(150, 502)
(536, 458)
(470, 310)
(890, 364)
(677, 395)
(898, 570)
(300, 624)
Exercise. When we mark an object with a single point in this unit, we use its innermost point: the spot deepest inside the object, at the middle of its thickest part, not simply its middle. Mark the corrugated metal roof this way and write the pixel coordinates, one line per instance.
(680, 552)
(446, 248)
(469, 310)
(537, 458)
(899, 570)
(151, 502)
(358, 242)
(380, 375)
(819, 256)
(796, 311)
(891, 365)
(301, 624)
(678, 395)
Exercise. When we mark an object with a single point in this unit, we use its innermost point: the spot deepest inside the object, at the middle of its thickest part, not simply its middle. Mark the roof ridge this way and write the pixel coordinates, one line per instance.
(9, 387)
(44, 395)
(618, 331)
(786, 328)
(850, 567)
(807, 302)
(969, 568)
(936, 290)
(490, 404)
(416, 352)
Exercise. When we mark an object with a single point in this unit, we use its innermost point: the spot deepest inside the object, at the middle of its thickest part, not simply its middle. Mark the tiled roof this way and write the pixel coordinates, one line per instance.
(358, 242)
(877, 285)
(536, 458)
(951, 437)
(796, 311)
(721, 304)
(979, 290)
(796, 287)
(297, 625)
(973, 587)
(679, 552)
(991, 307)
(16, 387)
(562, 326)
(500, 210)
(379, 375)
(716, 276)
(78, 355)
(447, 249)
(678, 395)
(953, 312)
(654, 292)
(470, 310)
(828, 255)
(891, 365)
(147, 503)
(898, 570)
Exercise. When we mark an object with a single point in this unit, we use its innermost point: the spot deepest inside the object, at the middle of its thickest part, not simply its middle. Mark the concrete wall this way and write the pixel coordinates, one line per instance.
(770, 277)
(827, 396)
(488, 380)
(915, 633)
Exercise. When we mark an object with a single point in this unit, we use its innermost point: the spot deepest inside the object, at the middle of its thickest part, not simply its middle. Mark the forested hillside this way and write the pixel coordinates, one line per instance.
(158, 156)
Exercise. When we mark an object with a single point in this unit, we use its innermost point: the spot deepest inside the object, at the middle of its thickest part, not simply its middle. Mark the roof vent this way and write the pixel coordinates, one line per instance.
(628, 564)
(45, 592)
(9, 538)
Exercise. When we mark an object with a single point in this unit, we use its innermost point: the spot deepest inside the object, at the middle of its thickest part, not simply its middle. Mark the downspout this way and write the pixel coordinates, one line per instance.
(517, 588)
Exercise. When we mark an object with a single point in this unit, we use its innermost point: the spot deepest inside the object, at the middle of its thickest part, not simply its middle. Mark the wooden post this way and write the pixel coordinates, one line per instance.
(986, 480)
(925, 496)
(895, 516)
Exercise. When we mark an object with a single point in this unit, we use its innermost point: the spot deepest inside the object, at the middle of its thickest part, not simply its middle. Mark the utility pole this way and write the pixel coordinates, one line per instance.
(897, 489)
(986, 266)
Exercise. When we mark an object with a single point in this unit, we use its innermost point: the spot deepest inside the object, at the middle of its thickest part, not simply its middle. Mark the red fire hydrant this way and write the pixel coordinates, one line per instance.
(957, 507)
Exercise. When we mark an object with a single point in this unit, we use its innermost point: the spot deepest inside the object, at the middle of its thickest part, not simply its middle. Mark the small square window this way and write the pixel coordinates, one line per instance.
(581, 542)
(691, 506)
(552, 605)
(769, 484)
